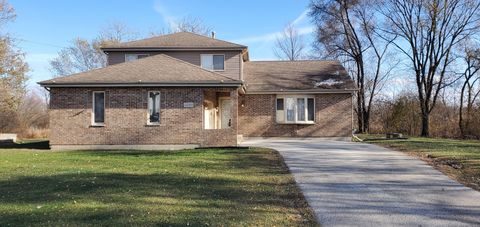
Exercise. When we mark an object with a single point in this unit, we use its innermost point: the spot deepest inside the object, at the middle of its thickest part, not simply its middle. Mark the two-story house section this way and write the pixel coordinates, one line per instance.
(185, 90)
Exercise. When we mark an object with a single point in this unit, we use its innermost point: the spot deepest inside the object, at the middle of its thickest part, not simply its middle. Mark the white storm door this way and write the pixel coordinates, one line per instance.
(226, 113)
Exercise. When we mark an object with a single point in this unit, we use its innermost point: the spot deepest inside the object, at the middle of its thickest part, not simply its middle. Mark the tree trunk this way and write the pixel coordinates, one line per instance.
(366, 121)
(425, 122)
(460, 112)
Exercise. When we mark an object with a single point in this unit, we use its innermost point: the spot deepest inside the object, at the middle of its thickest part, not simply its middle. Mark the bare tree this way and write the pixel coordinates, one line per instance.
(117, 32)
(347, 29)
(469, 91)
(192, 24)
(185, 24)
(7, 12)
(428, 31)
(13, 69)
(32, 112)
(289, 45)
(84, 55)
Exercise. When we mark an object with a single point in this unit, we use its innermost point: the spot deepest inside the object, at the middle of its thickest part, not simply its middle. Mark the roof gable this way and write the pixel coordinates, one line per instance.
(179, 40)
(154, 70)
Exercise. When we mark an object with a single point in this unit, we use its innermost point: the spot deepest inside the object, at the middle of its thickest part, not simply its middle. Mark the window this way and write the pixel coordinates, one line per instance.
(98, 117)
(280, 110)
(154, 107)
(132, 57)
(215, 62)
(295, 109)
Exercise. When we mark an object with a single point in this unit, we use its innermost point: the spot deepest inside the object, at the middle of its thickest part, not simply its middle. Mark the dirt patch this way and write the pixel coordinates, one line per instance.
(451, 167)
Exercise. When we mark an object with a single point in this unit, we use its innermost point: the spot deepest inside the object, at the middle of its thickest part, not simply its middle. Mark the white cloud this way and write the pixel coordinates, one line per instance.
(166, 16)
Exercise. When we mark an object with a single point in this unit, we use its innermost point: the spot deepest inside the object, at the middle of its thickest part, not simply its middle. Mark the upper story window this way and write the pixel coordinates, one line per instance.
(295, 109)
(215, 62)
(133, 57)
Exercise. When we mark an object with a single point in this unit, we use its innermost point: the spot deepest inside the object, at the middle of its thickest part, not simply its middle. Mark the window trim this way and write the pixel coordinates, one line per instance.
(125, 56)
(295, 97)
(214, 70)
(93, 123)
(159, 108)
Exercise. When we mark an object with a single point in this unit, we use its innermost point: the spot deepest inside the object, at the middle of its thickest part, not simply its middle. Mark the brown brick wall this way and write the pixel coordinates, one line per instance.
(126, 118)
(333, 117)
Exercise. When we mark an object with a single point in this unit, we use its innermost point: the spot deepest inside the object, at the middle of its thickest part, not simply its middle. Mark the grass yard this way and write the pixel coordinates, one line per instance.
(459, 159)
(194, 187)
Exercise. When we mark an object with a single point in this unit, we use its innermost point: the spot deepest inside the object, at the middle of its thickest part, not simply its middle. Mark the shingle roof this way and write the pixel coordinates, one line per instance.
(265, 76)
(154, 70)
(186, 40)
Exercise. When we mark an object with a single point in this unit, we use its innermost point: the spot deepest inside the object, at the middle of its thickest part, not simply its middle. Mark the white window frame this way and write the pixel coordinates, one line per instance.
(93, 109)
(295, 97)
(159, 108)
(216, 70)
(136, 56)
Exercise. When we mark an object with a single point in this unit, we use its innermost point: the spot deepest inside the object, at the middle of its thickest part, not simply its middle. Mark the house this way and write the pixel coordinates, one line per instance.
(185, 90)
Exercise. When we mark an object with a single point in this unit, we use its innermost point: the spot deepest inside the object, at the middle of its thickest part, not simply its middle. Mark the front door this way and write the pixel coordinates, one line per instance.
(225, 112)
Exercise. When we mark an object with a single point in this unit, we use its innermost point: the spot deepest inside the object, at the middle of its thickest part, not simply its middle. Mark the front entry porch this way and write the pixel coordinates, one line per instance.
(220, 114)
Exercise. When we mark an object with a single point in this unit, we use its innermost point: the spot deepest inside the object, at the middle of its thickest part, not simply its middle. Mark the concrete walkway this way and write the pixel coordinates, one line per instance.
(355, 184)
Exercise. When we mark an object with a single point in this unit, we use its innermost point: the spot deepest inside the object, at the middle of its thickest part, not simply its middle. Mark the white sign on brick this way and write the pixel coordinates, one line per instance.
(188, 105)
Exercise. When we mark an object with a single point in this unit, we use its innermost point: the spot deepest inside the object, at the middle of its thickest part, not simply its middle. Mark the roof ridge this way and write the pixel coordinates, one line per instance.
(124, 44)
(214, 38)
(188, 63)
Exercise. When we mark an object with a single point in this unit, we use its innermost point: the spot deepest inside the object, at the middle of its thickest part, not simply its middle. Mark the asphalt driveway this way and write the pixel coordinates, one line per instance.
(355, 184)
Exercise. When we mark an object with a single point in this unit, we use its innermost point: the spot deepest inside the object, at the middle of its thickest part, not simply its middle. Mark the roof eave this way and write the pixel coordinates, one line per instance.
(106, 49)
(205, 84)
(317, 91)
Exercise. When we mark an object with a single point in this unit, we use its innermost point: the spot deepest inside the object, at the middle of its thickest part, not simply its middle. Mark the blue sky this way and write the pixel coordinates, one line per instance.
(44, 27)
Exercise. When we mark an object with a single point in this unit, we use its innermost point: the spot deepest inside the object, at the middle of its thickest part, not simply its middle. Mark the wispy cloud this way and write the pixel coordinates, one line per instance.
(269, 37)
(301, 17)
(170, 20)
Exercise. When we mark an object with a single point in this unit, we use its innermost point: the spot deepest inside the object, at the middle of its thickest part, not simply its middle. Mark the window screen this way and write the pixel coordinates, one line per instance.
(290, 105)
(133, 57)
(279, 104)
(295, 109)
(218, 62)
(311, 109)
(99, 107)
(300, 109)
(206, 61)
(154, 106)
(212, 62)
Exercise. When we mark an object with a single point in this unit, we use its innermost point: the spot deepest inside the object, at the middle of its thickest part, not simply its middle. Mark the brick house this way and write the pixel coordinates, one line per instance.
(184, 90)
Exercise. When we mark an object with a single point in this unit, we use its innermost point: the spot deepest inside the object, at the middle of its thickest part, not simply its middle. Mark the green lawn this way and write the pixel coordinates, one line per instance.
(194, 187)
(459, 159)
